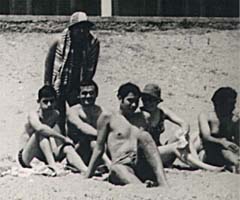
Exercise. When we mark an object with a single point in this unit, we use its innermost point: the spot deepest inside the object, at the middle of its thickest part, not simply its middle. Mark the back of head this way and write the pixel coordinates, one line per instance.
(126, 88)
(223, 94)
(90, 83)
(46, 91)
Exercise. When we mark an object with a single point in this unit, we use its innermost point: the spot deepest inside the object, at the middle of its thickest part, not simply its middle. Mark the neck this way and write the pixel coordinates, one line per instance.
(44, 113)
(127, 115)
(88, 108)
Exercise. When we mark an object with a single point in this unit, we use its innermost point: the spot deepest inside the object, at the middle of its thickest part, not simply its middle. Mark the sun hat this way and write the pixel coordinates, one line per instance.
(153, 90)
(80, 18)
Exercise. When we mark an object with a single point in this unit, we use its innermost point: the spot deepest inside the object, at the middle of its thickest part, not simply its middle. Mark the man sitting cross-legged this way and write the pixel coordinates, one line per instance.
(82, 121)
(125, 143)
(41, 138)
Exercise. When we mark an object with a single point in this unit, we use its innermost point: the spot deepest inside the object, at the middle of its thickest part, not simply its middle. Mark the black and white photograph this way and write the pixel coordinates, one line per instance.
(119, 100)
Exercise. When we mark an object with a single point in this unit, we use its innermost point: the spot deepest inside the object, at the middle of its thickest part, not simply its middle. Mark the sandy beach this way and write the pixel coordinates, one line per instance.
(188, 64)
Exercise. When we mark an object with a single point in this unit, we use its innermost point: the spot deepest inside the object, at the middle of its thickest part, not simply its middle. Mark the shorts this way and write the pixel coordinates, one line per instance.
(129, 159)
(213, 155)
(20, 160)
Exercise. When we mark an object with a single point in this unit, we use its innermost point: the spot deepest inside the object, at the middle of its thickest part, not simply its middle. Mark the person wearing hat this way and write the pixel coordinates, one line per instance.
(152, 119)
(71, 59)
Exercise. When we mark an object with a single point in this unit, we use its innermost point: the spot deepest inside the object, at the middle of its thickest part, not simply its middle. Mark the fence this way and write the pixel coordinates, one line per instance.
(204, 8)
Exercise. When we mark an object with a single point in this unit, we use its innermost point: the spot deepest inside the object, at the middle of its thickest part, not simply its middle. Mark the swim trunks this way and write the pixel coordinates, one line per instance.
(20, 160)
(129, 159)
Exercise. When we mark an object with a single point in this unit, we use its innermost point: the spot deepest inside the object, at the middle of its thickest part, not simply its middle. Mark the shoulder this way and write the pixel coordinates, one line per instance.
(74, 110)
(207, 116)
(106, 114)
(104, 118)
(164, 111)
(33, 114)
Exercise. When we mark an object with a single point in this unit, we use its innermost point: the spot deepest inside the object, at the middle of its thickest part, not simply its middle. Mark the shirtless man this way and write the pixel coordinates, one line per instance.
(152, 119)
(124, 143)
(41, 138)
(82, 121)
(219, 130)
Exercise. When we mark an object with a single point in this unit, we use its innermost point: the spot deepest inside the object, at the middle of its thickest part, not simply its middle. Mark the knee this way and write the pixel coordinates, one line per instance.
(115, 168)
(43, 141)
(68, 149)
(145, 136)
(93, 144)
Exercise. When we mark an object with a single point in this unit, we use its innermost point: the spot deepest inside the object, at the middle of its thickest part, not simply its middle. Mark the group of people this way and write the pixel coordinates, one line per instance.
(125, 143)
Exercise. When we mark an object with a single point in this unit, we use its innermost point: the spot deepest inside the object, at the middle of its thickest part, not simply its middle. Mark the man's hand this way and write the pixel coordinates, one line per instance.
(230, 146)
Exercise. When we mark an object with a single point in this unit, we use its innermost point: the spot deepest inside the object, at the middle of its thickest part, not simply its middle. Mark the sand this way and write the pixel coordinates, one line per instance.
(189, 65)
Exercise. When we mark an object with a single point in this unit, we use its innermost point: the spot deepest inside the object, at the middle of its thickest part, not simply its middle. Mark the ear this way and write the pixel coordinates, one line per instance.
(119, 97)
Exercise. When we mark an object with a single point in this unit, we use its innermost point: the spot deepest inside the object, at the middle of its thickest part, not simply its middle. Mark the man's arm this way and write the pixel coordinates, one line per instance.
(44, 129)
(206, 134)
(83, 127)
(171, 116)
(103, 129)
(49, 62)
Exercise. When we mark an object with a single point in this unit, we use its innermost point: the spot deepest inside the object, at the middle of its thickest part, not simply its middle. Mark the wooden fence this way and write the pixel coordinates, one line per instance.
(204, 8)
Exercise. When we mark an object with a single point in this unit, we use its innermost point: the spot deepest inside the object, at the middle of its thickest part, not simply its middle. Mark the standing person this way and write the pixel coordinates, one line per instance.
(152, 119)
(124, 143)
(71, 59)
(219, 130)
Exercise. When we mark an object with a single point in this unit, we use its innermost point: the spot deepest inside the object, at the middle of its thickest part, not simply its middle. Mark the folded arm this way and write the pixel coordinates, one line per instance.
(83, 127)
(44, 129)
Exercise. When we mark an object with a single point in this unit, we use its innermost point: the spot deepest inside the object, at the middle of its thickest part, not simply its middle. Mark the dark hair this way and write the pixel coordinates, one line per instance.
(126, 88)
(46, 91)
(222, 94)
(90, 83)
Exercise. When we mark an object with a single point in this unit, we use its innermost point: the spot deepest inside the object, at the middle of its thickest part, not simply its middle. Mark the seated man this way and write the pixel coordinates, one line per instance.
(42, 140)
(82, 121)
(124, 143)
(152, 118)
(219, 130)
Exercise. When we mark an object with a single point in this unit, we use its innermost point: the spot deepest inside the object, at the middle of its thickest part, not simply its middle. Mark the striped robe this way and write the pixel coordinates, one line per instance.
(59, 63)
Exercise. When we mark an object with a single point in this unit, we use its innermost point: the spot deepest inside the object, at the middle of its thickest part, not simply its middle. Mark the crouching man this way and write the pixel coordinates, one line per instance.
(41, 138)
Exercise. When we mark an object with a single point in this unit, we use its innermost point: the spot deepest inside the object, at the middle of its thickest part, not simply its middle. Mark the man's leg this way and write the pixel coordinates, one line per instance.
(186, 152)
(45, 146)
(61, 151)
(74, 159)
(122, 175)
(38, 146)
(149, 148)
(232, 158)
(30, 151)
